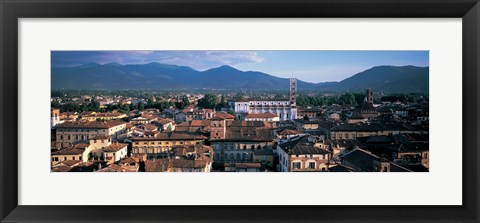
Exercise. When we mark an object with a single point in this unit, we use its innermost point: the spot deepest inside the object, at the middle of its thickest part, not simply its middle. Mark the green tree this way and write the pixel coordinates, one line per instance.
(149, 103)
(223, 103)
(347, 99)
(55, 104)
(302, 100)
(208, 101)
(185, 102)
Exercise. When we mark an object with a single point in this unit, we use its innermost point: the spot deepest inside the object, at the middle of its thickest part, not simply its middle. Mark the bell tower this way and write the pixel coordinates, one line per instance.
(369, 95)
(293, 92)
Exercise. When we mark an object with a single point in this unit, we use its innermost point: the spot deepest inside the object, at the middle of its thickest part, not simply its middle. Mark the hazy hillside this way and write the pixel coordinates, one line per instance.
(163, 76)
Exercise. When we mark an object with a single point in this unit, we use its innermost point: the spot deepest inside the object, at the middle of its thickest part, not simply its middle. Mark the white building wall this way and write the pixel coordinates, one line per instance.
(280, 108)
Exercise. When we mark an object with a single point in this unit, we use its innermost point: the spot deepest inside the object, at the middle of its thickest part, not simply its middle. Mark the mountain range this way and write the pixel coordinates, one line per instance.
(388, 79)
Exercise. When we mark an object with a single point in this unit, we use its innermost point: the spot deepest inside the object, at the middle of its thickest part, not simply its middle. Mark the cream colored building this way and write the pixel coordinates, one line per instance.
(69, 133)
(164, 141)
(300, 155)
(55, 117)
(103, 148)
(77, 152)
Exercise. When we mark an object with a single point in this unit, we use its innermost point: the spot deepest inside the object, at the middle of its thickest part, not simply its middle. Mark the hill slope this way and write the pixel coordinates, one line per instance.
(388, 79)
(164, 76)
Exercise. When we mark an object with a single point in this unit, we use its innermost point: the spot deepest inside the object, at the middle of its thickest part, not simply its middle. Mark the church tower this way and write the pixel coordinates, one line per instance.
(369, 95)
(292, 113)
(293, 92)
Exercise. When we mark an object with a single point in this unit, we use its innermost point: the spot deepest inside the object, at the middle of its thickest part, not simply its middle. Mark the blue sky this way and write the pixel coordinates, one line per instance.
(311, 66)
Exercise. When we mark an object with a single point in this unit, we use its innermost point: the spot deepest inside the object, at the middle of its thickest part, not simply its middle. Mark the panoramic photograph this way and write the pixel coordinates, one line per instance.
(239, 111)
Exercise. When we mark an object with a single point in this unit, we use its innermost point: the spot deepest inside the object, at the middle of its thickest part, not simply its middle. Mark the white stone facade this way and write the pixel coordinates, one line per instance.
(280, 108)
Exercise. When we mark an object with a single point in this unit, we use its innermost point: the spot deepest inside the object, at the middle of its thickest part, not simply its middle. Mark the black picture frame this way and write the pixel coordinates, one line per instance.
(11, 11)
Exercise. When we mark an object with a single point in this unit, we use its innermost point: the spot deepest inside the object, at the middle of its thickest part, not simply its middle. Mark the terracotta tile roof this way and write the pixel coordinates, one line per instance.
(104, 115)
(117, 168)
(184, 124)
(69, 151)
(288, 132)
(61, 169)
(81, 145)
(164, 121)
(129, 160)
(189, 163)
(71, 163)
(159, 165)
(248, 134)
(224, 115)
(149, 127)
(90, 125)
(262, 115)
(238, 123)
(172, 136)
(114, 147)
(196, 123)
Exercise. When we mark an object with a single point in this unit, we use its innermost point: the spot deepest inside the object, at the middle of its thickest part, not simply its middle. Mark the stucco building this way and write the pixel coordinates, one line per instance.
(69, 133)
(300, 155)
(159, 144)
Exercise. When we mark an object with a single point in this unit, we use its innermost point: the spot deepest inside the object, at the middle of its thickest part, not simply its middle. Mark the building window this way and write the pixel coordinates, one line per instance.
(296, 165)
(311, 165)
(73, 158)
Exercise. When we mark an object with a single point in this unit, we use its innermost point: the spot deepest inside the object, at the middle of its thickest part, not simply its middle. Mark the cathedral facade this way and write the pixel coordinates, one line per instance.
(285, 109)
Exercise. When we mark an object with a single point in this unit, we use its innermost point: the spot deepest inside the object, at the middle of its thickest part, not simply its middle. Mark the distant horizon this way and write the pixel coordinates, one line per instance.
(308, 66)
(100, 64)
